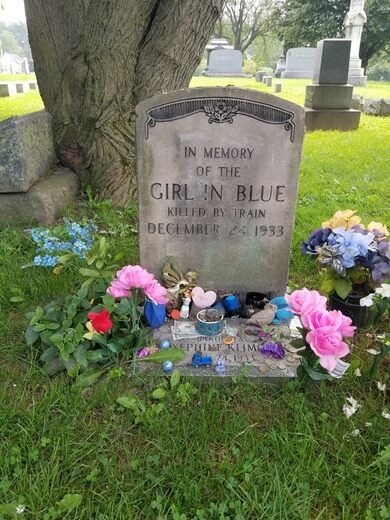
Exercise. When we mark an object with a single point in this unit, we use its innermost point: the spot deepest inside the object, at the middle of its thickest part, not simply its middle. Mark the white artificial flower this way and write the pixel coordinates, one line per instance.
(367, 301)
(383, 290)
(386, 414)
(357, 372)
(373, 351)
(356, 432)
(351, 408)
(381, 386)
(368, 424)
(20, 509)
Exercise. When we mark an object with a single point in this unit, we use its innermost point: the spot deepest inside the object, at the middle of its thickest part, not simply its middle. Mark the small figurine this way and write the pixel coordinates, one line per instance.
(167, 366)
(220, 367)
(201, 361)
(185, 308)
(165, 344)
(263, 317)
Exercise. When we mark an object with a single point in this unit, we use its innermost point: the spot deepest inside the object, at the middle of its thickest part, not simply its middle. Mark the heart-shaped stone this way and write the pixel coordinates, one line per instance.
(203, 299)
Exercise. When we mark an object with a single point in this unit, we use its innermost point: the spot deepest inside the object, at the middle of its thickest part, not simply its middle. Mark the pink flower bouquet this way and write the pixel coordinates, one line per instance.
(322, 333)
(133, 284)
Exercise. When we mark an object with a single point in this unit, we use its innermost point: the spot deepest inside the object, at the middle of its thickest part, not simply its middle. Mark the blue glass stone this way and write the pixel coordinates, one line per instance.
(165, 344)
(167, 366)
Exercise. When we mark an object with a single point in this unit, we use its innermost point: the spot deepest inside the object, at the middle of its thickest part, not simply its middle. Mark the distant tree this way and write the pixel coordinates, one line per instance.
(8, 42)
(305, 22)
(243, 19)
(20, 35)
(95, 60)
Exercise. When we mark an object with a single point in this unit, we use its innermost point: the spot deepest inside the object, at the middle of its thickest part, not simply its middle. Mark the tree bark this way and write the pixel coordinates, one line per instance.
(95, 60)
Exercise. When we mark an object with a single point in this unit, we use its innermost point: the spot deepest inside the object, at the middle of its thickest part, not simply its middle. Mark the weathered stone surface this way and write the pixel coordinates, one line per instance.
(278, 87)
(265, 79)
(26, 151)
(33, 85)
(242, 357)
(299, 62)
(217, 184)
(328, 96)
(43, 203)
(331, 119)
(377, 107)
(353, 23)
(7, 89)
(357, 102)
(269, 81)
(332, 61)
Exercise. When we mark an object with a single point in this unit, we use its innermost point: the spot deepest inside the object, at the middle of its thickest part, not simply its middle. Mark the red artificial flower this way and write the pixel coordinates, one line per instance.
(101, 321)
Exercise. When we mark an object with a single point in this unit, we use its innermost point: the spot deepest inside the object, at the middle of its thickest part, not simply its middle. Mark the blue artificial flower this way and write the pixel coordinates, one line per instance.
(316, 239)
(46, 261)
(351, 245)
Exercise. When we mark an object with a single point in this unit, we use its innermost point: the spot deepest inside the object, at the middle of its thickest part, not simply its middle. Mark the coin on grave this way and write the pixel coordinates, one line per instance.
(228, 340)
(263, 368)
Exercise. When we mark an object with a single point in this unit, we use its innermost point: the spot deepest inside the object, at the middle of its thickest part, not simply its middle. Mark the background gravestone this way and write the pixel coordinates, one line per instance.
(299, 63)
(217, 184)
(225, 62)
(328, 100)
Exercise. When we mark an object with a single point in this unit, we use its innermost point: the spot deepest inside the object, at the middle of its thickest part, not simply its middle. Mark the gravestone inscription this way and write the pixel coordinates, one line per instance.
(217, 185)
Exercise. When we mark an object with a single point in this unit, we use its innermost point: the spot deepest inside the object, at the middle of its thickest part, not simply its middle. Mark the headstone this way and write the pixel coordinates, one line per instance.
(43, 203)
(328, 99)
(269, 81)
(7, 89)
(353, 23)
(224, 62)
(299, 63)
(33, 85)
(278, 87)
(26, 151)
(265, 80)
(377, 107)
(332, 60)
(22, 87)
(217, 185)
(280, 66)
(260, 75)
(217, 43)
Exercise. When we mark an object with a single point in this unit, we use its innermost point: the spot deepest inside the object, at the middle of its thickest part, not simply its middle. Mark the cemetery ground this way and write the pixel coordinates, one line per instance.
(218, 450)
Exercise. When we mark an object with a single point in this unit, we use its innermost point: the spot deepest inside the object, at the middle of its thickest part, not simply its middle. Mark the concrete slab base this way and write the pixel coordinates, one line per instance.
(241, 358)
(331, 119)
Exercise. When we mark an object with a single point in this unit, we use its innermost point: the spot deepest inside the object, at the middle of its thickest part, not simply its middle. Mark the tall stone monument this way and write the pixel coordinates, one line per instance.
(217, 185)
(328, 98)
(353, 23)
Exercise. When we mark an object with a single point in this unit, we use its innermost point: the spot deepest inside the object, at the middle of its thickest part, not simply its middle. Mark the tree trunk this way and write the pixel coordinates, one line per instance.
(95, 60)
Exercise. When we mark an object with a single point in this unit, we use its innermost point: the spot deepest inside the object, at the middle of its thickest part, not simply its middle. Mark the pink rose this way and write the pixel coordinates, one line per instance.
(127, 278)
(134, 276)
(304, 301)
(323, 321)
(346, 327)
(157, 293)
(328, 347)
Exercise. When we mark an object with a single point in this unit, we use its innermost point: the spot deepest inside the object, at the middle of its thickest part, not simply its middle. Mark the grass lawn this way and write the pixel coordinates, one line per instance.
(238, 450)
